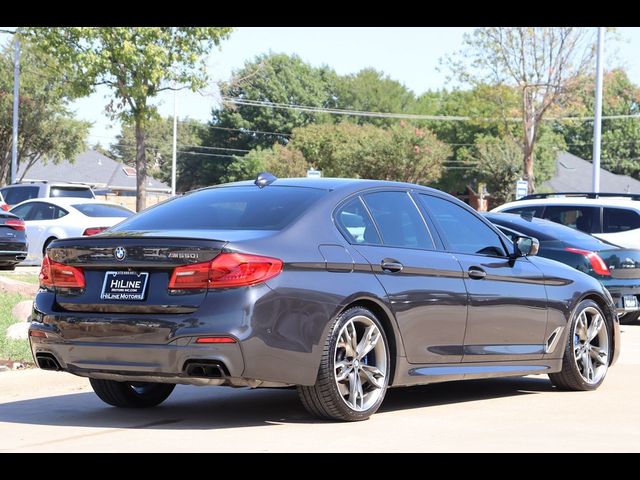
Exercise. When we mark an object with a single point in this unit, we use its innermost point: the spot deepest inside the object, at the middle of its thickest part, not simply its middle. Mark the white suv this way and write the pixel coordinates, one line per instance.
(612, 217)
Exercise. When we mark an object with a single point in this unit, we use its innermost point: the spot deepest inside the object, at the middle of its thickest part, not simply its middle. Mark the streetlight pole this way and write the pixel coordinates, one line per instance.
(16, 100)
(597, 121)
(175, 142)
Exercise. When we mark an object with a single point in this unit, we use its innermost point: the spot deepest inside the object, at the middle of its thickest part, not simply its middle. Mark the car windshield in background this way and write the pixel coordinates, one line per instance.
(80, 192)
(228, 208)
(18, 194)
(102, 210)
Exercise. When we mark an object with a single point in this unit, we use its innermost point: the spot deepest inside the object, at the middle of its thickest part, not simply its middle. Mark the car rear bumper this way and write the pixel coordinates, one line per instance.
(273, 348)
(621, 289)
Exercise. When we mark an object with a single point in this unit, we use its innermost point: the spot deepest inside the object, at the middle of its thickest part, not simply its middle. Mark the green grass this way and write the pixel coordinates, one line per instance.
(23, 277)
(17, 350)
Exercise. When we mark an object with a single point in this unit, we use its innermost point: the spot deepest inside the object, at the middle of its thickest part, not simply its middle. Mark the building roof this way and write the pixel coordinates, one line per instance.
(91, 168)
(573, 174)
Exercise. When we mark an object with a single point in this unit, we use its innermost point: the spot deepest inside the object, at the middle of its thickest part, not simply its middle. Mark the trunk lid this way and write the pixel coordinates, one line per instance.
(622, 262)
(120, 260)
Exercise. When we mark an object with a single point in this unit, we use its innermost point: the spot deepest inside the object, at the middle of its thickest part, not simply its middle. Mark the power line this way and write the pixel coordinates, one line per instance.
(405, 116)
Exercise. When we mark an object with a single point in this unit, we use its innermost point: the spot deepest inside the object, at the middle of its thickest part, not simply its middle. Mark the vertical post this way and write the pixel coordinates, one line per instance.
(16, 100)
(597, 121)
(175, 142)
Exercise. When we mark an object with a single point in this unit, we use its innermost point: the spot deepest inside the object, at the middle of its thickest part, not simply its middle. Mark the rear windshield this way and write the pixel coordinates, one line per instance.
(80, 192)
(227, 208)
(15, 195)
(102, 210)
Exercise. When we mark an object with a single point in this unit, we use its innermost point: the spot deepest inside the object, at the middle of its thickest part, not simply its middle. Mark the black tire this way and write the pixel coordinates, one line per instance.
(630, 318)
(570, 378)
(324, 399)
(131, 394)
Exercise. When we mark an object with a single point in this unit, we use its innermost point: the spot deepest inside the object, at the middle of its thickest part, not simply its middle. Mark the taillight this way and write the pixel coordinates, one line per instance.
(5, 207)
(595, 260)
(54, 274)
(15, 223)
(224, 271)
(93, 231)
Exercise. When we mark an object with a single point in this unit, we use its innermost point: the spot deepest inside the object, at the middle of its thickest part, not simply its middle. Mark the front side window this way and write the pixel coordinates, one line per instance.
(463, 231)
(577, 217)
(354, 221)
(616, 220)
(398, 220)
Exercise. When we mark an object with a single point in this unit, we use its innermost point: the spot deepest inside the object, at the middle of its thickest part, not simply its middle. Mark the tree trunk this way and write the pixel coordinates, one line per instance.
(141, 167)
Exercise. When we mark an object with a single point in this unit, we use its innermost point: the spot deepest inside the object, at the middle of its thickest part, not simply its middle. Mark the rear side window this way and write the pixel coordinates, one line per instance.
(530, 211)
(580, 218)
(464, 232)
(227, 208)
(15, 194)
(71, 192)
(398, 220)
(356, 224)
(619, 220)
(102, 210)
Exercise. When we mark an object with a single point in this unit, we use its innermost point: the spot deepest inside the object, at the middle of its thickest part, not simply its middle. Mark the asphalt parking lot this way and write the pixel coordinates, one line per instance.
(51, 412)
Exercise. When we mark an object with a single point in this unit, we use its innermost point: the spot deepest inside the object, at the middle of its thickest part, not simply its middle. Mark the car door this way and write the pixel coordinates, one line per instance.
(424, 285)
(507, 312)
(39, 220)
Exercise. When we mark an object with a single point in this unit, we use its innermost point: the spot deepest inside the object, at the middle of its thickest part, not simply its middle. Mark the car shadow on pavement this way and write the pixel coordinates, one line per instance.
(218, 408)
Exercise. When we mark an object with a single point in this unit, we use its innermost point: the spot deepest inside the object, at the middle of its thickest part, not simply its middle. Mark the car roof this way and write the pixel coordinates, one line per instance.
(578, 201)
(67, 201)
(51, 184)
(328, 183)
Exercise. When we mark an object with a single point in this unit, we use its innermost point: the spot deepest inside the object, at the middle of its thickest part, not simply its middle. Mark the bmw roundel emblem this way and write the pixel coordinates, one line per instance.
(120, 253)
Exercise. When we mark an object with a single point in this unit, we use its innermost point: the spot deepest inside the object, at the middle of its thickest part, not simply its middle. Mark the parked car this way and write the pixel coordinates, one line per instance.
(274, 284)
(49, 219)
(614, 217)
(13, 241)
(19, 192)
(617, 268)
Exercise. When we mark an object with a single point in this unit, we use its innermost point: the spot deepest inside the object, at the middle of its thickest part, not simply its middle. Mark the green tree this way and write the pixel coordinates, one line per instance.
(371, 91)
(47, 130)
(159, 146)
(136, 63)
(540, 62)
(276, 78)
(620, 148)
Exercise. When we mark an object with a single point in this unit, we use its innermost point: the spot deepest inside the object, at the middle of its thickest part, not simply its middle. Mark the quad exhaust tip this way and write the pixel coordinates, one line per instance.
(47, 361)
(205, 369)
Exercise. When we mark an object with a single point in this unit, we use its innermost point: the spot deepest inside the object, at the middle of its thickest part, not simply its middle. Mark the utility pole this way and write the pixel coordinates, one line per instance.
(175, 142)
(597, 121)
(16, 100)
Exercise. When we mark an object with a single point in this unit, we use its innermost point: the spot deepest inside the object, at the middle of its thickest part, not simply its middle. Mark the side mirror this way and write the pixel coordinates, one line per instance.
(526, 246)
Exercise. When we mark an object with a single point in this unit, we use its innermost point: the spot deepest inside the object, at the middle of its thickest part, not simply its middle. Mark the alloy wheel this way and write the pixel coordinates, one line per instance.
(360, 363)
(591, 345)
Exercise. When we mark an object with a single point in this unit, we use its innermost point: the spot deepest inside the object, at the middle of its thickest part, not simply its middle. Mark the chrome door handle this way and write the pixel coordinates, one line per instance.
(391, 265)
(476, 273)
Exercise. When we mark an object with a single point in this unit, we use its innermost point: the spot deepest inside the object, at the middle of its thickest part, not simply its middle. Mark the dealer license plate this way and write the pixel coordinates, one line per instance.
(124, 285)
(630, 302)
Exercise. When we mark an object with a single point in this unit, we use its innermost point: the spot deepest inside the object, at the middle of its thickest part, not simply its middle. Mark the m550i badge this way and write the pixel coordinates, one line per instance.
(182, 255)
